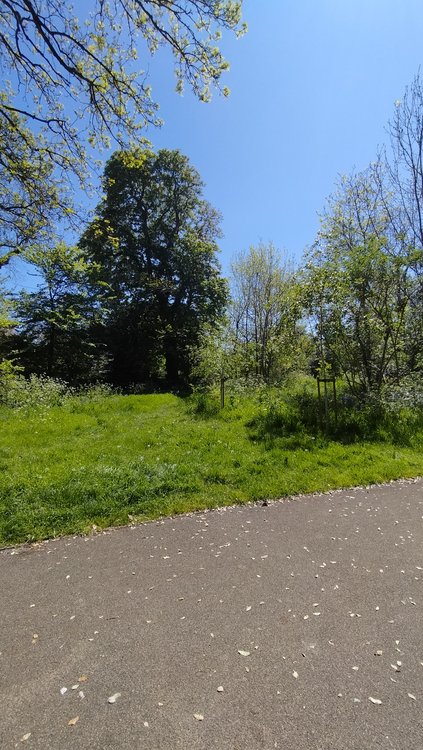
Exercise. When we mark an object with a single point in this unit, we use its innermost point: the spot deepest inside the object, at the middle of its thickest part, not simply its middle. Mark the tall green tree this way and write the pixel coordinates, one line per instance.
(153, 243)
(74, 81)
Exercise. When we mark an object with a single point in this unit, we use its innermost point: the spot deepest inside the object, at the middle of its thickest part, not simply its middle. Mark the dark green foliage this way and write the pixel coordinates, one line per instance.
(153, 246)
(56, 325)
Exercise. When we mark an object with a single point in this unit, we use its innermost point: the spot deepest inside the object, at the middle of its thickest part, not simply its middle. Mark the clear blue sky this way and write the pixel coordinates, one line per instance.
(313, 85)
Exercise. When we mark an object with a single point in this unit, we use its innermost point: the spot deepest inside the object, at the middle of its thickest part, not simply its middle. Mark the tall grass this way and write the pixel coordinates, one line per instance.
(387, 416)
(100, 459)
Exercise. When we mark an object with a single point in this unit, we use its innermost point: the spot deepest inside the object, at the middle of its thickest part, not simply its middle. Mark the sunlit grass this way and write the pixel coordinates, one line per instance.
(105, 461)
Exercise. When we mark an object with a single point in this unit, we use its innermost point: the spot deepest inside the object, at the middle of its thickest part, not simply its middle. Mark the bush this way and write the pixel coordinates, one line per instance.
(204, 404)
(18, 392)
(40, 391)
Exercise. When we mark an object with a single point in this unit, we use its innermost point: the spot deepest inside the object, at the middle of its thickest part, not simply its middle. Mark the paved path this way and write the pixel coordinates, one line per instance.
(323, 593)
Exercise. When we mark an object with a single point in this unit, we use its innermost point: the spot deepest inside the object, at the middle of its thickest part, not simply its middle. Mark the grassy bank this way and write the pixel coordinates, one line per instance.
(100, 461)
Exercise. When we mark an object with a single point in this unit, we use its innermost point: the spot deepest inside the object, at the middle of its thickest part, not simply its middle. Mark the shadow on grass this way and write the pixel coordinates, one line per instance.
(297, 421)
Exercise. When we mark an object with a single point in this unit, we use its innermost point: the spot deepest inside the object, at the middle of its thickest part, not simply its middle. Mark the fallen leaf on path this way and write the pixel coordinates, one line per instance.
(113, 698)
(295, 674)
(243, 653)
(376, 701)
(72, 722)
(199, 717)
(26, 737)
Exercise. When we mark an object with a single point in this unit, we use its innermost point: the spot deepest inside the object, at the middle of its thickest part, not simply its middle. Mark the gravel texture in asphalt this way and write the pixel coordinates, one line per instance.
(297, 625)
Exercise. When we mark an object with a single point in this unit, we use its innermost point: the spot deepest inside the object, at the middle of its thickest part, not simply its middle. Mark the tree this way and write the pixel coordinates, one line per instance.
(359, 285)
(264, 311)
(30, 197)
(404, 164)
(56, 325)
(153, 243)
(72, 82)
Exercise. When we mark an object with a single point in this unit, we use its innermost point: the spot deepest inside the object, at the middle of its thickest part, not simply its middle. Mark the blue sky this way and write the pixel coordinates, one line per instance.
(313, 85)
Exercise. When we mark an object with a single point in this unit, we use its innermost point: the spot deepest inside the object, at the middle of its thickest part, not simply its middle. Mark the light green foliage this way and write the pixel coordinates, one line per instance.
(212, 359)
(103, 460)
(9, 369)
(6, 322)
(30, 198)
(18, 392)
(218, 356)
(363, 282)
(70, 81)
(265, 314)
(358, 284)
(9, 376)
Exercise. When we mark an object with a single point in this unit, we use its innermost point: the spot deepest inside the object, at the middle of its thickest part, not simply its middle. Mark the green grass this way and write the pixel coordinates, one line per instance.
(101, 461)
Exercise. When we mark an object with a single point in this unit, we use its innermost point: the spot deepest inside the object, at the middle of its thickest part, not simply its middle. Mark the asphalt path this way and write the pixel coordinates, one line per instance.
(297, 625)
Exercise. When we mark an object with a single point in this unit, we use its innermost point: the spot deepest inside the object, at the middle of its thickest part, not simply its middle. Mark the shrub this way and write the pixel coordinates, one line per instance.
(18, 392)
(204, 404)
(40, 391)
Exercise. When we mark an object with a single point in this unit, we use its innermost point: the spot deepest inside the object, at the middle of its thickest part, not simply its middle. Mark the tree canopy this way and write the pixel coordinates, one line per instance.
(72, 81)
(359, 286)
(153, 246)
(57, 322)
(264, 312)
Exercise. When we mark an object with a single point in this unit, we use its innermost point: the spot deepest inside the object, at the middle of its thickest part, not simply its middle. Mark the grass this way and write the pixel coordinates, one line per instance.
(113, 458)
